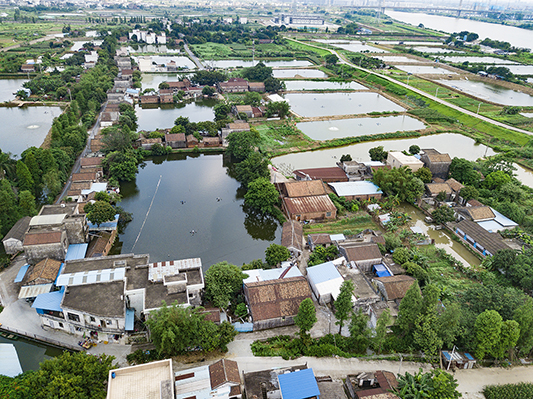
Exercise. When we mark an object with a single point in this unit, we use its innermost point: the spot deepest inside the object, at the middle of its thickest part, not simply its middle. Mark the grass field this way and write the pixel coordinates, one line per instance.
(276, 136)
(304, 47)
(212, 51)
(352, 224)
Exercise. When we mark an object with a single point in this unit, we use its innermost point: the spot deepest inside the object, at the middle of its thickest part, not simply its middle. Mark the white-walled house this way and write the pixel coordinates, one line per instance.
(325, 281)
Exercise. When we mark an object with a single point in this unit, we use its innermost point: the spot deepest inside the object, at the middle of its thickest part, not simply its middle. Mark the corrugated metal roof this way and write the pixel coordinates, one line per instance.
(49, 301)
(91, 277)
(76, 251)
(298, 385)
(502, 219)
(9, 361)
(156, 271)
(21, 273)
(344, 189)
(31, 291)
(314, 204)
(323, 272)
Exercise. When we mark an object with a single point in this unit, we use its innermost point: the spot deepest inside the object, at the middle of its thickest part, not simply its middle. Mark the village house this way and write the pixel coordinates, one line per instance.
(292, 237)
(221, 380)
(101, 243)
(179, 85)
(313, 240)
(27, 68)
(149, 380)
(258, 384)
(275, 303)
(192, 141)
(393, 288)
(485, 242)
(14, 239)
(371, 385)
(307, 200)
(434, 189)
(242, 109)
(363, 254)
(176, 140)
(437, 163)
(397, 159)
(325, 281)
(166, 98)
(211, 141)
(237, 126)
(147, 144)
(149, 99)
(45, 243)
(357, 190)
(256, 86)
(90, 162)
(115, 96)
(233, 85)
(40, 278)
(327, 175)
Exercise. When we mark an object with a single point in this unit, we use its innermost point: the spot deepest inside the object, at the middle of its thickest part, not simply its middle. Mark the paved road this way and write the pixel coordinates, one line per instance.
(343, 60)
(193, 57)
(86, 150)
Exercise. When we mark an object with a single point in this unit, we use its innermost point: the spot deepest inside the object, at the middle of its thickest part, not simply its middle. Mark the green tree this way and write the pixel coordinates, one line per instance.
(359, 331)
(380, 335)
(344, 304)
(100, 212)
(496, 179)
(399, 182)
(424, 174)
(70, 375)
(523, 315)
(121, 166)
(24, 179)
(414, 149)
(408, 312)
(306, 318)
(262, 196)
(401, 255)
(52, 183)
(463, 171)
(273, 85)
(346, 158)
(435, 384)
(242, 144)
(331, 59)
(208, 91)
(280, 108)
(259, 72)
(378, 154)
(275, 254)
(509, 335)
(252, 168)
(221, 111)
(443, 214)
(222, 283)
(27, 203)
(252, 98)
(469, 192)
(487, 332)
(425, 335)
(449, 323)
(164, 85)
(209, 78)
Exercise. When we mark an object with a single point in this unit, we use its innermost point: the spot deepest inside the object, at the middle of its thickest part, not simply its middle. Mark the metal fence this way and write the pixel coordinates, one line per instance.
(40, 338)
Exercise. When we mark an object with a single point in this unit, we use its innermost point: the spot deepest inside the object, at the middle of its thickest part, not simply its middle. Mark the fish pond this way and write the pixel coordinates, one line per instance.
(152, 116)
(329, 104)
(304, 73)
(491, 92)
(332, 129)
(189, 206)
(306, 85)
(8, 87)
(476, 60)
(244, 63)
(424, 70)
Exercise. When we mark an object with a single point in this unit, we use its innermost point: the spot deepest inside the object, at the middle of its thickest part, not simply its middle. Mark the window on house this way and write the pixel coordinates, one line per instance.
(61, 325)
(102, 323)
(328, 214)
(93, 319)
(73, 317)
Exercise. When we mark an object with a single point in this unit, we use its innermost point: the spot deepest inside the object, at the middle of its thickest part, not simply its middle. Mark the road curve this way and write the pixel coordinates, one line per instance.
(193, 57)
(418, 91)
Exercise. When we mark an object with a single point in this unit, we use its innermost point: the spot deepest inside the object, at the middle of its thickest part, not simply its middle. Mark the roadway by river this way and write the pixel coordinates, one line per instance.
(343, 60)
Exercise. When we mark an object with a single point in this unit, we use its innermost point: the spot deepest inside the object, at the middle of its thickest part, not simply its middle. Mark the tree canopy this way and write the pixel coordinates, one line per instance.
(400, 182)
(275, 254)
(222, 283)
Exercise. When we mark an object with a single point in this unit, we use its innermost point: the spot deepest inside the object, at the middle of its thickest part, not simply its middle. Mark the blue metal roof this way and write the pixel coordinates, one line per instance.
(381, 270)
(323, 272)
(76, 251)
(350, 188)
(469, 356)
(21, 273)
(49, 301)
(491, 226)
(298, 385)
(243, 327)
(130, 319)
(503, 220)
(59, 272)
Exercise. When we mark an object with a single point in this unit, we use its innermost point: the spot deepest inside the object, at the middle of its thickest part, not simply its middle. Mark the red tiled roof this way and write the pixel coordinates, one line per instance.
(224, 371)
(44, 237)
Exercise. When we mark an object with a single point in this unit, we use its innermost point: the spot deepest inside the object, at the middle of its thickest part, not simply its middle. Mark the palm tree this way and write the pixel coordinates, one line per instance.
(7, 165)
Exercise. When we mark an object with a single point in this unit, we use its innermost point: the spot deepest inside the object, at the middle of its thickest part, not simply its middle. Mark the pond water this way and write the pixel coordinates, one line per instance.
(491, 92)
(322, 85)
(31, 353)
(243, 63)
(327, 130)
(520, 69)
(79, 44)
(327, 104)
(516, 36)
(153, 116)
(152, 80)
(442, 237)
(436, 50)
(476, 60)
(165, 59)
(25, 127)
(152, 48)
(223, 230)
(424, 70)
(291, 73)
(395, 58)
(8, 87)
(454, 144)
(358, 47)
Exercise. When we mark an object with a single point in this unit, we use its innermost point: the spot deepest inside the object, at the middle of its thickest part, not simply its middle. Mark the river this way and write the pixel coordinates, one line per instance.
(212, 207)
(516, 36)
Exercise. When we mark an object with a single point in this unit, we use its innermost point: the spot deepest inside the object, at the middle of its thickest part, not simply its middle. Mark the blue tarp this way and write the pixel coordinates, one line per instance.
(59, 273)
(298, 385)
(381, 270)
(244, 327)
(21, 273)
(469, 356)
(76, 251)
(49, 301)
(130, 319)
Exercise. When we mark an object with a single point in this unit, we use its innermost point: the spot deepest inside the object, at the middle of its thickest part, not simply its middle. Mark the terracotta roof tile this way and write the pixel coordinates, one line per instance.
(396, 286)
(305, 188)
(44, 237)
(44, 272)
(224, 371)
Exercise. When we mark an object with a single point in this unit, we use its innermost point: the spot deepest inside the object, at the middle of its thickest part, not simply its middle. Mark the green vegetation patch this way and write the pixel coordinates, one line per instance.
(521, 390)
(354, 225)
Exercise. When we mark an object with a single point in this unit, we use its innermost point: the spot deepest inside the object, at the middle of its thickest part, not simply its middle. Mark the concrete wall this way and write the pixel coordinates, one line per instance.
(12, 246)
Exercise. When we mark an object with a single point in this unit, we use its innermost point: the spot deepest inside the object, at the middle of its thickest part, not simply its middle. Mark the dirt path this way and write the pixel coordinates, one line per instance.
(471, 382)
